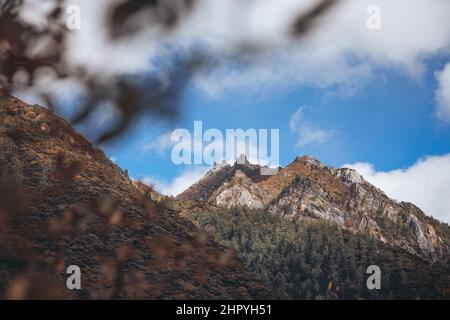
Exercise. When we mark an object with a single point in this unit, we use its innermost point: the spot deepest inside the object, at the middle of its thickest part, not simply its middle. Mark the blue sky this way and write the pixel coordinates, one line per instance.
(369, 88)
(390, 122)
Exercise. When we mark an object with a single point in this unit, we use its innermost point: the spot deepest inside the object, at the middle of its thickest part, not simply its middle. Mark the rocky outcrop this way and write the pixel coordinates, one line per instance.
(306, 167)
(305, 198)
(425, 236)
(308, 188)
(240, 191)
(221, 172)
(213, 179)
(344, 197)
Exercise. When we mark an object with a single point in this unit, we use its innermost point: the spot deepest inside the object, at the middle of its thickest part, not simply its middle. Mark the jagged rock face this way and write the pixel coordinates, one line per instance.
(216, 177)
(305, 167)
(308, 188)
(213, 179)
(427, 239)
(344, 197)
(63, 202)
(304, 197)
(240, 191)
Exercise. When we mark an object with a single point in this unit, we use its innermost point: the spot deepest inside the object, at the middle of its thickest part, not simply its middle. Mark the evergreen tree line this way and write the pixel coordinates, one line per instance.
(315, 259)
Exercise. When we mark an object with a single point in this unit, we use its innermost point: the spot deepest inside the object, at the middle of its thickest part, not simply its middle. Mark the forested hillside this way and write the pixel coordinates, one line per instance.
(315, 259)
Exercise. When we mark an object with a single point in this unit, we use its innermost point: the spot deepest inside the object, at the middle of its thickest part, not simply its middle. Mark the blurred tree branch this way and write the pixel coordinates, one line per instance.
(19, 40)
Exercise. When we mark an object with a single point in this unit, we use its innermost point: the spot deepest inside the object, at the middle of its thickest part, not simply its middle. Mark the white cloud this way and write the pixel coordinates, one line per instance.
(159, 144)
(179, 183)
(341, 51)
(306, 132)
(442, 93)
(425, 184)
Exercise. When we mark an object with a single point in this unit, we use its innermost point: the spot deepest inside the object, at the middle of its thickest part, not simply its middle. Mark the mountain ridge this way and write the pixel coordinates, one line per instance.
(62, 201)
(306, 187)
(220, 172)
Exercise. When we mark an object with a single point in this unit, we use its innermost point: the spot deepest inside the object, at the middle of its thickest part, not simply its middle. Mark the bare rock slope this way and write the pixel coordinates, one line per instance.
(308, 188)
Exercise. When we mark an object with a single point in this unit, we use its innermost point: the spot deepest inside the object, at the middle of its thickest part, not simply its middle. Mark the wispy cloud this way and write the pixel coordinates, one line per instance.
(306, 132)
(179, 183)
(442, 93)
(340, 53)
(159, 144)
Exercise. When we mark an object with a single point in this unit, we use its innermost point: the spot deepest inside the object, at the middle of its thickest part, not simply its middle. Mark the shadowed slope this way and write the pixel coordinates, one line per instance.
(63, 202)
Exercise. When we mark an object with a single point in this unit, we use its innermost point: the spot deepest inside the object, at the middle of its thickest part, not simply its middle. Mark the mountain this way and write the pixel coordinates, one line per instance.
(219, 174)
(63, 202)
(238, 191)
(310, 231)
(342, 196)
(308, 188)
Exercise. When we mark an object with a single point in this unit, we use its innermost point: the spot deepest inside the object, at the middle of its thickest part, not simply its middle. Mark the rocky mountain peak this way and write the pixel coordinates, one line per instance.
(218, 174)
(306, 188)
(308, 160)
(240, 191)
(217, 166)
(344, 197)
(242, 159)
